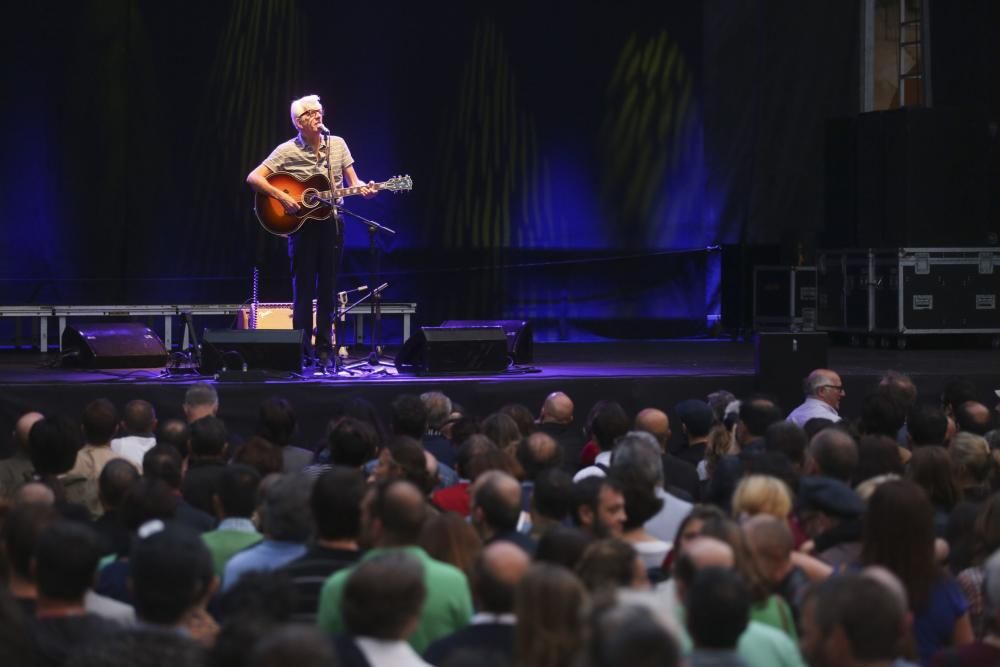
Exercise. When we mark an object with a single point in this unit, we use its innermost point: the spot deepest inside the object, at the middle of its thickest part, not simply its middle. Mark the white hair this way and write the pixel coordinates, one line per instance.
(304, 104)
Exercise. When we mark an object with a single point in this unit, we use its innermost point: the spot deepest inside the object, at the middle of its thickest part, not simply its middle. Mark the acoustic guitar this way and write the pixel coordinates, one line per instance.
(315, 196)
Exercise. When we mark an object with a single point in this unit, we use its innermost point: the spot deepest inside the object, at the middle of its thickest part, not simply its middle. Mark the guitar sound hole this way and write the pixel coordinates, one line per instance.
(309, 198)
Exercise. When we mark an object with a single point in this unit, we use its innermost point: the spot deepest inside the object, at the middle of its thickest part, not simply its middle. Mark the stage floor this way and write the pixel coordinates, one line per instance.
(637, 374)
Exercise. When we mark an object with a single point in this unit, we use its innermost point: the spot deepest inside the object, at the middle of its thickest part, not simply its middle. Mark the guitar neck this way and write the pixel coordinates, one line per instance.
(337, 193)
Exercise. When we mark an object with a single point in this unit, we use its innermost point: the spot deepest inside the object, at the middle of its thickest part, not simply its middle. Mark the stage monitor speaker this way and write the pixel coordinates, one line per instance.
(782, 360)
(455, 350)
(520, 345)
(251, 349)
(112, 345)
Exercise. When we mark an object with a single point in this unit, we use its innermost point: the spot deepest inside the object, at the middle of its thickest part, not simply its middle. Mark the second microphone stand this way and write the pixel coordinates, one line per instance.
(375, 300)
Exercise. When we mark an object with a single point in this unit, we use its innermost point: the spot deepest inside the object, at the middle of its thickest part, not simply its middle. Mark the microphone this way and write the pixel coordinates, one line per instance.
(324, 129)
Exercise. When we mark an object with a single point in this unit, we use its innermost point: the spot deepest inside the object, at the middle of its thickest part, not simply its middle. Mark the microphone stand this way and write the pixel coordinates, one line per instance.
(376, 294)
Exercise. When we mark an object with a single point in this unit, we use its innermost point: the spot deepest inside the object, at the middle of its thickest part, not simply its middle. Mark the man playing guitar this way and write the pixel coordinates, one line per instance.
(314, 249)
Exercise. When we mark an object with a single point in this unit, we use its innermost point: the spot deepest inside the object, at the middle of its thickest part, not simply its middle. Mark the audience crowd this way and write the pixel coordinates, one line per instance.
(721, 531)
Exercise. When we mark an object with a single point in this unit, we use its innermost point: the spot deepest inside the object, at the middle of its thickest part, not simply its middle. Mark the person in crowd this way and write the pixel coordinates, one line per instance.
(762, 494)
(606, 423)
(496, 509)
(99, 422)
(285, 522)
(926, 425)
(392, 516)
(930, 468)
(260, 455)
(772, 546)
(350, 442)
(276, 424)
(756, 414)
(536, 453)
(853, 619)
(164, 463)
(438, 410)
(65, 561)
(599, 507)
(878, 455)
(176, 433)
(336, 512)
(548, 605)
(518, 412)
(610, 564)
(973, 417)
(555, 419)
(299, 645)
(550, 501)
(718, 612)
(234, 503)
(17, 470)
(489, 637)
(824, 390)
(200, 400)
(833, 452)
(472, 460)
(630, 633)
(53, 443)
(22, 527)
(450, 538)
(767, 607)
(172, 581)
(985, 651)
(789, 440)
(562, 545)
(830, 514)
(760, 645)
(381, 607)
(985, 542)
(641, 507)
(138, 425)
(680, 477)
(209, 447)
(113, 483)
(503, 430)
(404, 458)
(696, 419)
(899, 535)
(638, 456)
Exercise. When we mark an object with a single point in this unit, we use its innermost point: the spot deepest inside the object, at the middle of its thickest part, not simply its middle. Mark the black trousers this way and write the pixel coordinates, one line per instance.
(315, 252)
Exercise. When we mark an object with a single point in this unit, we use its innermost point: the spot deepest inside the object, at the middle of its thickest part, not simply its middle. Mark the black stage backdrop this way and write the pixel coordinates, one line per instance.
(572, 161)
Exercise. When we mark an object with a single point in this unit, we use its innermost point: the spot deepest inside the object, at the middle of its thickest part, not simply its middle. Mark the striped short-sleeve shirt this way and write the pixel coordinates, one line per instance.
(296, 157)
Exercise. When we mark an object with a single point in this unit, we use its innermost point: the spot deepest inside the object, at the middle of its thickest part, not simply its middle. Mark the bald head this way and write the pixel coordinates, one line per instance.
(557, 409)
(655, 422)
(34, 493)
(23, 427)
(890, 581)
(505, 562)
(710, 552)
(394, 514)
(538, 452)
(496, 503)
(495, 575)
(825, 385)
(698, 554)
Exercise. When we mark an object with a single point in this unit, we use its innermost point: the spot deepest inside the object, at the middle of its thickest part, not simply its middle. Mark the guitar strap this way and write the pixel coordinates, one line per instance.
(328, 142)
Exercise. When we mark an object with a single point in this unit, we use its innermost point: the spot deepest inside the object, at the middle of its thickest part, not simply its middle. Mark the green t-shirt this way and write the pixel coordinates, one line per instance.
(447, 608)
(224, 544)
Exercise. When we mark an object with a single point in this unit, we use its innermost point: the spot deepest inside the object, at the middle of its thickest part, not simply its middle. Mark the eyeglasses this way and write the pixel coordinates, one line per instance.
(311, 112)
(837, 387)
